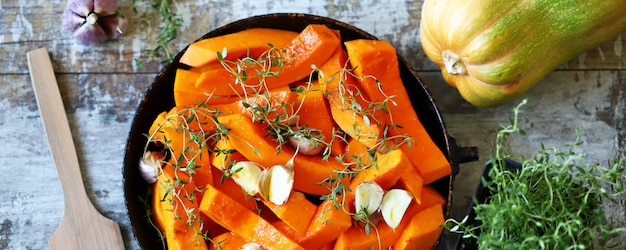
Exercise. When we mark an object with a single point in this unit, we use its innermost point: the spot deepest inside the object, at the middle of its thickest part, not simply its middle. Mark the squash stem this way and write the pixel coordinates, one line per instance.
(454, 64)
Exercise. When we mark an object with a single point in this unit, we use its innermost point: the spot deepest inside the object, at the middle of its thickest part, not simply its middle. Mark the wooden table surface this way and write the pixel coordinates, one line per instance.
(102, 87)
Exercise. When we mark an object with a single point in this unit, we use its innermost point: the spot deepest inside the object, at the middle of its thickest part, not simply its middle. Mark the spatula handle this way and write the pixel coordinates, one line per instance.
(81, 227)
(57, 128)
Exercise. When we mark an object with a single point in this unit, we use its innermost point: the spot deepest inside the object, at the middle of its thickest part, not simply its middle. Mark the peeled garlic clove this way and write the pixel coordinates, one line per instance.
(105, 7)
(394, 205)
(251, 246)
(309, 142)
(114, 25)
(264, 184)
(149, 166)
(247, 175)
(368, 196)
(276, 183)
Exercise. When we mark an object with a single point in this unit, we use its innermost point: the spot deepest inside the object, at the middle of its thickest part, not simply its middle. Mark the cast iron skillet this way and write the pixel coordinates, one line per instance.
(159, 97)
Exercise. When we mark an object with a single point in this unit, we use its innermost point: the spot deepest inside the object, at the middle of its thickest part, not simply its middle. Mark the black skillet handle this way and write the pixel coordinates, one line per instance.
(458, 155)
(461, 155)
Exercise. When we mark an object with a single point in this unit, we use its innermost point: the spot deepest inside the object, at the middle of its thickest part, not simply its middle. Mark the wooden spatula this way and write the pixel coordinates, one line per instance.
(82, 226)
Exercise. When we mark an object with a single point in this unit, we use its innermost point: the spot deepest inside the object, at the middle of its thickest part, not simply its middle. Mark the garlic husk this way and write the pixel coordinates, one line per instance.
(149, 166)
(114, 25)
(247, 175)
(368, 196)
(293, 121)
(394, 205)
(90, 34)
(81, 7)
(309, 141)
(71, 20)
(105, 7)
(276, 184)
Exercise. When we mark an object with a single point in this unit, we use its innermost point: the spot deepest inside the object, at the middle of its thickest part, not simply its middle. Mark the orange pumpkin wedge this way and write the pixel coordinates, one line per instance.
(243, 222)
(343, 106)
(377, 62)
(251, 42)
(423, 230)
(182, 230)
(310, 47)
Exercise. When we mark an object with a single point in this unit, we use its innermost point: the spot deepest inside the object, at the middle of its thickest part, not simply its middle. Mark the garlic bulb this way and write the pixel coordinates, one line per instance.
(93, 21)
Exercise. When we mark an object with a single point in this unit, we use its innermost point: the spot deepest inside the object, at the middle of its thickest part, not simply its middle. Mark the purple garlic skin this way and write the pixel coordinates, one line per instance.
(93, 21)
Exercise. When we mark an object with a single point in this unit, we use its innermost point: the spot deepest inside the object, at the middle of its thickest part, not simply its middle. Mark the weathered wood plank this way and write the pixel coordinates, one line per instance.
(394, 21)
(102, 87)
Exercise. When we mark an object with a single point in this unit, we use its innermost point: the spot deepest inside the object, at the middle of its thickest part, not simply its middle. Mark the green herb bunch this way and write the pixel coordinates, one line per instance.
(553, 202)
(169, 23)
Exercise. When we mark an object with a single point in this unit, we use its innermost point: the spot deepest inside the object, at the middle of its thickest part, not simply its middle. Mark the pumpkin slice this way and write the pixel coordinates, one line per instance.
(186, 93)
(345, 106)
(297, 212)
(423, 230)
(385, 170)
(227, 240)
(380, 237)
(171, 201)
(243, 222)
(223, 154)
(310, 47)
(327, 224)
(377, 62)
(314, 112)
(251, 42)
(357, 154)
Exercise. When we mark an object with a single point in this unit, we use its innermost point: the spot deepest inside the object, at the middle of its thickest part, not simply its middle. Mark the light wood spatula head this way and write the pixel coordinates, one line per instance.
(82, 226)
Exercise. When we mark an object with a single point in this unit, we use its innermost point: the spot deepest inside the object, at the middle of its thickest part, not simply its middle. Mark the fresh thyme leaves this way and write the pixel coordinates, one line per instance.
(169, 23)
(553, 202)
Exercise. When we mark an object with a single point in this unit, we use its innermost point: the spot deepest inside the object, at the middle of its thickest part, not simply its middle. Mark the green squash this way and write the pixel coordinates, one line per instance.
(493, 51)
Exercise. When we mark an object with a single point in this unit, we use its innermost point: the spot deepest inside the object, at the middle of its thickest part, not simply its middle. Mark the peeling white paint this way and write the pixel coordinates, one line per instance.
(185, 11)
(75, 50)
(21, 26)
(137, 45)
(120, 50)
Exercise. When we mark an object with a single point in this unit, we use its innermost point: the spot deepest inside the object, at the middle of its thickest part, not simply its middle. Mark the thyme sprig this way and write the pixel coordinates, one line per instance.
(169, 24)
(553, 202)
